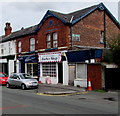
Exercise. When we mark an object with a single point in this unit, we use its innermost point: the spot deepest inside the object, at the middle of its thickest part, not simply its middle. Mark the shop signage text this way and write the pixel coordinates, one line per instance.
(50, 57)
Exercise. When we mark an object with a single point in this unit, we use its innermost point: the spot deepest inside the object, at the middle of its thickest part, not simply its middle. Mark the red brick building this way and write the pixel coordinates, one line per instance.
(51, 50)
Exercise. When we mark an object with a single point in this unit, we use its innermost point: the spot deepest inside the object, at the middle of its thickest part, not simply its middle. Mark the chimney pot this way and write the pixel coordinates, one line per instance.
(8, 29)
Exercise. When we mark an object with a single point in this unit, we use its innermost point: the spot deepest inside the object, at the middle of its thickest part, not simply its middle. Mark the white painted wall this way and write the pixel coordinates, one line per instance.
(17, 66)
(65, 73)
(9, 48)
(11, 66)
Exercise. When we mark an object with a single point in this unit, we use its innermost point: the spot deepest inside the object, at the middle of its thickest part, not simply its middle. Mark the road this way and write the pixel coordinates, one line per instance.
(17, 101)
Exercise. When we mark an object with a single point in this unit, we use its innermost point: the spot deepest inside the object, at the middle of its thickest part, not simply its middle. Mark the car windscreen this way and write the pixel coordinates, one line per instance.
(25, 76)
(3, 75)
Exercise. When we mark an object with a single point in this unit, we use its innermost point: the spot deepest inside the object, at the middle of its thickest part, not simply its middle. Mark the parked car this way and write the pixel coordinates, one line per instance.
(3, 78)
(21, 80)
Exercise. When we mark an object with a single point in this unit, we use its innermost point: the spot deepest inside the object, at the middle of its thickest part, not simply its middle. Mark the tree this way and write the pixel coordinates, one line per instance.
(114, 45)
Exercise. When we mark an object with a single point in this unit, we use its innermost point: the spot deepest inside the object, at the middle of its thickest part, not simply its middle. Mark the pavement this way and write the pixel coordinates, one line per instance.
(59, 89)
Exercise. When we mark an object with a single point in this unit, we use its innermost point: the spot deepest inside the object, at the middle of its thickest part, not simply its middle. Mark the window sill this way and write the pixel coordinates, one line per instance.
(51, 49)
(101, 42)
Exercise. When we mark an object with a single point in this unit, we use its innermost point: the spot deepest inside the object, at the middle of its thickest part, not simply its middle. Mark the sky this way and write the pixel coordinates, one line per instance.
(26, 13)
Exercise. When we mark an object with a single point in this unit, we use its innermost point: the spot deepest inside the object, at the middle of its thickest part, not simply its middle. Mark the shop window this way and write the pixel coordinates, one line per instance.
(49, 69)
(32, 44)
(48, 41)
(19, 46)
(55, 40)
(32, 69)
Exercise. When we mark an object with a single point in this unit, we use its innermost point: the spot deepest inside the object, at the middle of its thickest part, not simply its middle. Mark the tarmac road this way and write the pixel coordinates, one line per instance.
(17, 101)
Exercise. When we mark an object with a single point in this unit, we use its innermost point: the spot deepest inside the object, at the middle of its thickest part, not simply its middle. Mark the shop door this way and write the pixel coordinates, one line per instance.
(60, 73)
(72, 74)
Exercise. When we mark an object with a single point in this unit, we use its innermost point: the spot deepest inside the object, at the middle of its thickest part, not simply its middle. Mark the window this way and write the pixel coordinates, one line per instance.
(55, 40)
(2, 49)
(32, 69)
(49, 69)
(19, 47)
(48, 41)
(102, 37)
(52, 42)
(32, 44)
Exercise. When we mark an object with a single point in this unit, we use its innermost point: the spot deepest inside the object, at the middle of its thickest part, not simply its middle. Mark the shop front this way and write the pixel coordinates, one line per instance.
(52, 68)
(29, 64)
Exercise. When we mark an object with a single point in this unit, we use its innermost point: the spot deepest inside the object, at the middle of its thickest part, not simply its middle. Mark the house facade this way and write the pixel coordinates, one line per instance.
(60, 48)
(7, 52)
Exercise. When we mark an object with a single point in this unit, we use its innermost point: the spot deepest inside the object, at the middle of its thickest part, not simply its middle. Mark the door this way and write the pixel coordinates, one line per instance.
(112, 78)
(72, 74)
(60, 73)
(16, 80)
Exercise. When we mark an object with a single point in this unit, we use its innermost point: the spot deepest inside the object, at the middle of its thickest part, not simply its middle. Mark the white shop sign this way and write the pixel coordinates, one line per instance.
(3, 60)
(50, 57)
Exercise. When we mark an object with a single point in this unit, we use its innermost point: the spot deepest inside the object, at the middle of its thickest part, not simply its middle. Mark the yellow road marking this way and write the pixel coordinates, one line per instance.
(77, 93)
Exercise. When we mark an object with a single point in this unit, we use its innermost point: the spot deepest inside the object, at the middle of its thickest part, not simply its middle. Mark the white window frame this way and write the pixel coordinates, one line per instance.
(32, 44)
(2, 49)
(19, 46)
(49, 69)
(48, 41)
(55, 40)
(102, 37)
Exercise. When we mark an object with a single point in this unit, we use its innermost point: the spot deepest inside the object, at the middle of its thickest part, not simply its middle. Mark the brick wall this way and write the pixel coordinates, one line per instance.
(52, 25)
(90, 29)
(111, 28)
(25, 41)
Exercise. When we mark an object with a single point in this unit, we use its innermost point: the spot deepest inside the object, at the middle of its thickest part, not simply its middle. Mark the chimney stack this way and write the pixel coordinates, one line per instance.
(8, 29)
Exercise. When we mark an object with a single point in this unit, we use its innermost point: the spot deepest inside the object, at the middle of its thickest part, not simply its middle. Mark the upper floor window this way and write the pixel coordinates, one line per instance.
(2, 49)
(52, 40)
(48, 41)
(32, 44)
(55, 40)
(19, 46)
(102, 37)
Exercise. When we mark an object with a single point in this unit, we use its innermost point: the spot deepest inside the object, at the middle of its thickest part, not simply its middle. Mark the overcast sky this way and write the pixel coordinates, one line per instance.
(26, 13)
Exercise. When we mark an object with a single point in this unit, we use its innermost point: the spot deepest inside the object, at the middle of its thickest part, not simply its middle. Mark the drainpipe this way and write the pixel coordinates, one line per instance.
(71, 31)
(104, 29)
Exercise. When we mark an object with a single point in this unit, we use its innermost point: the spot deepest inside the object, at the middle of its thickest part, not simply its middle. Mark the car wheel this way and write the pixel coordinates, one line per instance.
(23, 86)
(7, 85)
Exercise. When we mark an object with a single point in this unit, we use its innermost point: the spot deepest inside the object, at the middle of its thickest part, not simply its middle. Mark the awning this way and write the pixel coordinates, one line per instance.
(81, 56)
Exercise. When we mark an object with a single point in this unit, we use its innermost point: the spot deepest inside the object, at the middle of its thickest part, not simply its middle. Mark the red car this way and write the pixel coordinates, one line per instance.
(3, 78)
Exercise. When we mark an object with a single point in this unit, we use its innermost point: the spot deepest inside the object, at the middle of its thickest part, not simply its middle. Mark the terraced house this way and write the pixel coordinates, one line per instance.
(66, 48)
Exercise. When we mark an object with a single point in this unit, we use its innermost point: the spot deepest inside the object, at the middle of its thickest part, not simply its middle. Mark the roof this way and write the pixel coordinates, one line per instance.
(74, 17)
(20, 33)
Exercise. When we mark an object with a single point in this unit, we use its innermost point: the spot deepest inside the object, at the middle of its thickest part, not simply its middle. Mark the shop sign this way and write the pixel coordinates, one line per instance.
(3, 60)
(50, 57)
(75, 37)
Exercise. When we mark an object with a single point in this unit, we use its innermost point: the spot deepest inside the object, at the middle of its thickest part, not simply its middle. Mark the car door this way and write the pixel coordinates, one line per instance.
(16, 80)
